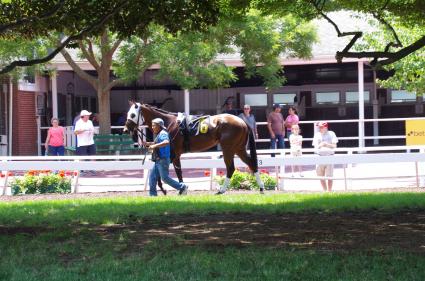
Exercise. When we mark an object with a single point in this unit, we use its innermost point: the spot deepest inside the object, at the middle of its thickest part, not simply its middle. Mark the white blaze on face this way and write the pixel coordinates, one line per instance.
(133, 114)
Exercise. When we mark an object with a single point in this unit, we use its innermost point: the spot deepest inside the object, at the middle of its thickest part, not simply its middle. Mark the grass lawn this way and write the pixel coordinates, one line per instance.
(141, 238)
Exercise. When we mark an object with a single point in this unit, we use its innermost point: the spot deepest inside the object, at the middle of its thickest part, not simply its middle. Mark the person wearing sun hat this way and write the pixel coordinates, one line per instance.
(84, 130)
(324, 142)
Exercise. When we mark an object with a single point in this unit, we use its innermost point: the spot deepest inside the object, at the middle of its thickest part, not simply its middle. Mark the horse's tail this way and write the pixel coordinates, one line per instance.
(252, 150)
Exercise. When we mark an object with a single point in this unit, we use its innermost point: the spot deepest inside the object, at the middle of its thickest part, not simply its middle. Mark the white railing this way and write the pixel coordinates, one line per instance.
(212, 161)
(70, 137)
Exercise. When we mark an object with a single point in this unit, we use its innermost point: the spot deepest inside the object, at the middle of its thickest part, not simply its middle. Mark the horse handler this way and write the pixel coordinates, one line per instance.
(161, 156)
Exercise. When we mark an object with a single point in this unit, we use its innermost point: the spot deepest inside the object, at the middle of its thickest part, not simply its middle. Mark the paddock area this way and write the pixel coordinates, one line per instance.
(356, 169)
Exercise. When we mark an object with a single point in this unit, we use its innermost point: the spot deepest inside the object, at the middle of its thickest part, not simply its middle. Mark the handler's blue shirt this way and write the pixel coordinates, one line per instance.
(164, 152)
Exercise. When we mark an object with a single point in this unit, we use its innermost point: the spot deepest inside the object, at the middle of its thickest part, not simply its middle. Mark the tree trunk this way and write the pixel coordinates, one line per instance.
(104, 111)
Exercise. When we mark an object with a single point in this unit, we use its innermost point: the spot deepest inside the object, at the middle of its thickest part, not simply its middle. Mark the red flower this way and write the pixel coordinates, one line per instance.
(207, 173)
(2, 175)
(68, 173)
(10, 174)
(220, 173)
(61, 175)
(75, 173)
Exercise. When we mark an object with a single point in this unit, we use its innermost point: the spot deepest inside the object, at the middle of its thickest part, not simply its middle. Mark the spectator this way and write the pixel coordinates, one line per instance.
(228, 107)
(291, 119)
(161, 157)
(325, 142)
(95, 119)
(276, 127)
(84, 130)
(296, 141)
(76, 118)
(55, 139)
(249, 119)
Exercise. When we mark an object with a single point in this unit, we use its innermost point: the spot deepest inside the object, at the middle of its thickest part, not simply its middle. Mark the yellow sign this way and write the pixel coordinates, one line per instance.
(415, 132)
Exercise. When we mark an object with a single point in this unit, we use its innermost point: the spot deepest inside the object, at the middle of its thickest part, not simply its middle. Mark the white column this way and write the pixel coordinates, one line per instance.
(38, 121)
(361, 104)
(375, 105)
(54, 95)
(186, 102)
(10, 129)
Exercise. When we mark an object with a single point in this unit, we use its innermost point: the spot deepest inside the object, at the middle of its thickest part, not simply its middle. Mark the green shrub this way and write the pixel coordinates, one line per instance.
(35, 182)
(243, 180)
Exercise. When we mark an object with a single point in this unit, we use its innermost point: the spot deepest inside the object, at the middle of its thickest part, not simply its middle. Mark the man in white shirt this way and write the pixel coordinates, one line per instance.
(84, 131)
(325, 142)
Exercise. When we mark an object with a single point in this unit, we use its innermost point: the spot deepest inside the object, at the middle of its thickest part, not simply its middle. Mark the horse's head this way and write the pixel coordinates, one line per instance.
(134, 118)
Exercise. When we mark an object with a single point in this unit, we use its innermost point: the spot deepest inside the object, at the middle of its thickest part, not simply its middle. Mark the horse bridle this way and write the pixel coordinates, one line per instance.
(141, 134)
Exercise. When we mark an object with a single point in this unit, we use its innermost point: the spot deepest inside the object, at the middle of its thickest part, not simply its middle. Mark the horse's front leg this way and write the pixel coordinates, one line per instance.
(178, 168)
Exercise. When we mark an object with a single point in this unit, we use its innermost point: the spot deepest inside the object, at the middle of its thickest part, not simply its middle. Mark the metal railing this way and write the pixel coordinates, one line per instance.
(70, 137)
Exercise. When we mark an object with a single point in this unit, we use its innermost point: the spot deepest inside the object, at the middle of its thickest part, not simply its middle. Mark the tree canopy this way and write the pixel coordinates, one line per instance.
(192, 59)
(35, 19)
(408, 13)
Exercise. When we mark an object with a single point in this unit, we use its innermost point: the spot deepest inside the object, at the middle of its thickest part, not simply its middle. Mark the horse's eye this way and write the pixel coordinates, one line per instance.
(136, 106)
(132, 115)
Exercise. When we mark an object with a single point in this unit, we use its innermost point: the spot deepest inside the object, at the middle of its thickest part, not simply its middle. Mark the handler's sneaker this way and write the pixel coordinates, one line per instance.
(183, 190)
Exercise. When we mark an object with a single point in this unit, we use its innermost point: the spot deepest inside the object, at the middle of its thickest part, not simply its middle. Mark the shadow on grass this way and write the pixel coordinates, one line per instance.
(304, 221)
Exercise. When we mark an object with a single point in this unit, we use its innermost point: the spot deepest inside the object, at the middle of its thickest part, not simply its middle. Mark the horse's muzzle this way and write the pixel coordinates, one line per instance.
(129, 127)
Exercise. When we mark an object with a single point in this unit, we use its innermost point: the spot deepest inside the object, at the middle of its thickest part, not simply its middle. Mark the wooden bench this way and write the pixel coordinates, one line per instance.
(110, 144)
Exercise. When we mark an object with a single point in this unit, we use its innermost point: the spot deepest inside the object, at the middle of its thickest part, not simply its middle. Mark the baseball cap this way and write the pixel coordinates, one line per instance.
(85, 113)
(158, 121)
(322, 124)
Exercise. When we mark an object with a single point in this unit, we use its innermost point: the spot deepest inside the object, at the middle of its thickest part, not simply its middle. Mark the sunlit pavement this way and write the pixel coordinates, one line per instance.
(391, 175)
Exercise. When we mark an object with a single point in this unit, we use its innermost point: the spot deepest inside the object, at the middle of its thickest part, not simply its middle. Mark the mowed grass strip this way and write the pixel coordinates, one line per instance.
(35, 259)
(117, 210)
(66, 240)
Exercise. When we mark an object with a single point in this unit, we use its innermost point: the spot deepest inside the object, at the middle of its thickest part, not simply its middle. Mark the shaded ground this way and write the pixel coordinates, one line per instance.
(374, 230)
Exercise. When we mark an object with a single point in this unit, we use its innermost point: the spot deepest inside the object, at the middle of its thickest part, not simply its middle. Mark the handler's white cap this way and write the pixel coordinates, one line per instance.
(158, 121)
(85, 113)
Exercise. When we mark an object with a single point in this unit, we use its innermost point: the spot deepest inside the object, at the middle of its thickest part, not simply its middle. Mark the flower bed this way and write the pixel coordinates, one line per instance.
(247, 181)
(37, 182)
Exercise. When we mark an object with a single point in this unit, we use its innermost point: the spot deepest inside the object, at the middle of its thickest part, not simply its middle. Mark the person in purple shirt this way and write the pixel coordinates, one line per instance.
(276, 127)
(291, 119)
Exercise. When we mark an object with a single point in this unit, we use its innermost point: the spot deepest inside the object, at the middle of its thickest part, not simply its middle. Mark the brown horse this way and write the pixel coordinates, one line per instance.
(231, 132)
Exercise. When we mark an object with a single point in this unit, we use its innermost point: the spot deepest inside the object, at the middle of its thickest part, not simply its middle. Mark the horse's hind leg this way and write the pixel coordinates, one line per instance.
(178, 168)
(243, 155)
(230, 168)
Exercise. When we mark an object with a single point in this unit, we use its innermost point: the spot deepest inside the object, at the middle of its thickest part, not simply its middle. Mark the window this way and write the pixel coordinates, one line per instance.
(327, 97)
(402, 96)
(286, 98)
(353, 97)
(256, 99)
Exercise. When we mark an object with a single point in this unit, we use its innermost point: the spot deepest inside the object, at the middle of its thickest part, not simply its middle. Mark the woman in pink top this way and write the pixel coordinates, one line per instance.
(55, 139)
(291, 119)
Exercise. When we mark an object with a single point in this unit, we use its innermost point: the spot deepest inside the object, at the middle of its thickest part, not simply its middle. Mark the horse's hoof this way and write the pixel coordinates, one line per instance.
(220, 192)
(261, 190)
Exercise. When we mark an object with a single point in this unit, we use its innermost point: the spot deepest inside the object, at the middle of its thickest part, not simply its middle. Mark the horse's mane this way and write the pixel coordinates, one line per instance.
(160, 110)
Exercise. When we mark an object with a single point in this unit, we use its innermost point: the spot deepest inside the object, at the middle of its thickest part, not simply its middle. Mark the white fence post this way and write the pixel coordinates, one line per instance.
(5, 186)
(281, 169)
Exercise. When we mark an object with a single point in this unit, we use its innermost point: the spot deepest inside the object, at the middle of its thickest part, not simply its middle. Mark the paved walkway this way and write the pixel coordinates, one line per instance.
(389, 175)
